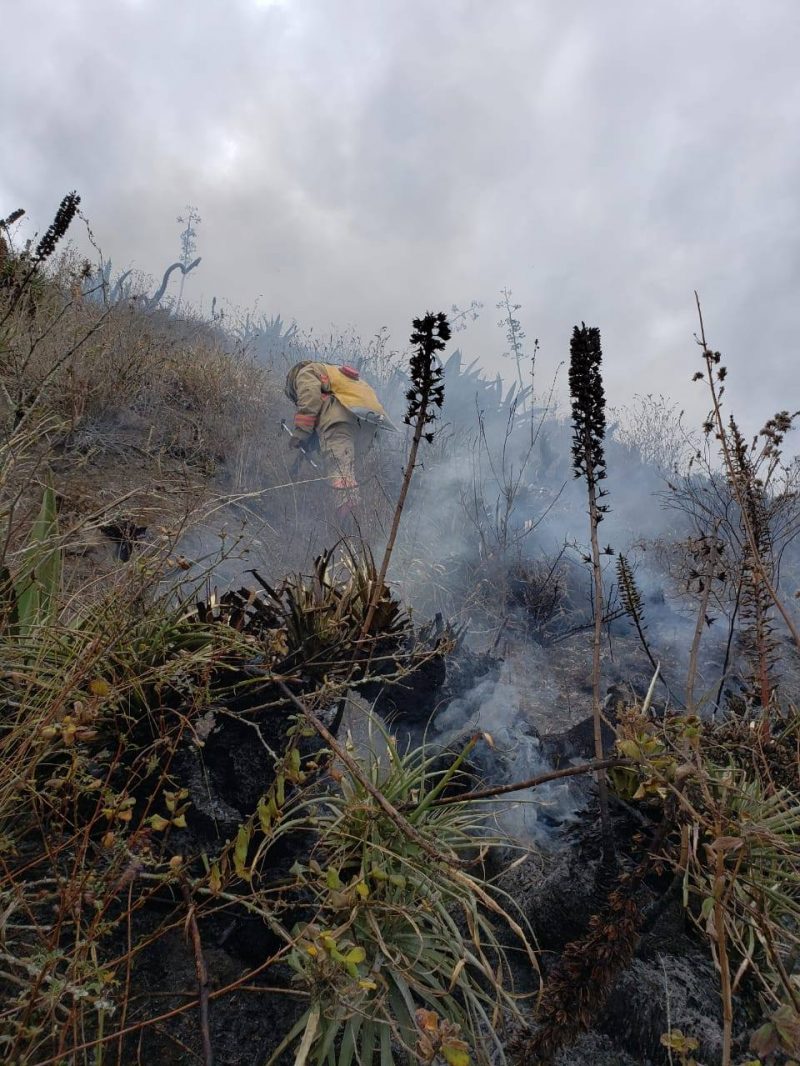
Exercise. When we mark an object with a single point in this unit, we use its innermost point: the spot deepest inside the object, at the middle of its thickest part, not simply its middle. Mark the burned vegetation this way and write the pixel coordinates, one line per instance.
(459, 783)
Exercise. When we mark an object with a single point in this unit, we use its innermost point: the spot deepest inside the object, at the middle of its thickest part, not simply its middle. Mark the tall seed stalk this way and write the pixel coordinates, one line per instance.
(631, 600)
(756, 600)
(425, 396)
(588, 460)
(67, 210)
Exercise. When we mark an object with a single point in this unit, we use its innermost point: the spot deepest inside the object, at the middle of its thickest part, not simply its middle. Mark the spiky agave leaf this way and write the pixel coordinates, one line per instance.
(38, 583)
(416, 933)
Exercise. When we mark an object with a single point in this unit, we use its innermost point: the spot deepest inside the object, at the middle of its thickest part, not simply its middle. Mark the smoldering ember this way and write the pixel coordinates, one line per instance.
(361, 708)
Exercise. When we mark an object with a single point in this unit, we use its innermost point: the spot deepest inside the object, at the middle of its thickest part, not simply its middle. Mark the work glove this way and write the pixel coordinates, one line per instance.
(295, 442)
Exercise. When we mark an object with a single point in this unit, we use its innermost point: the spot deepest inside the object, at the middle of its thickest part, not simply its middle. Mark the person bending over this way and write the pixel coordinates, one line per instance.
(345, 413)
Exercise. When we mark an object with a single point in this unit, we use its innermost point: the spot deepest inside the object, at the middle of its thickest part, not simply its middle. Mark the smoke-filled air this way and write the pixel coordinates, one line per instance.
(399, 534)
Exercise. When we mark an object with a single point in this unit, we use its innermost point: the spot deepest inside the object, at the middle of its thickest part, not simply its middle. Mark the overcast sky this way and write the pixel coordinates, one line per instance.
(361, 161)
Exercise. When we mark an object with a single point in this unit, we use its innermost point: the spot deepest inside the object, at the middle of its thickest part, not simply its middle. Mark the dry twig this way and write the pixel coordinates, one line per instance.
(202, 973)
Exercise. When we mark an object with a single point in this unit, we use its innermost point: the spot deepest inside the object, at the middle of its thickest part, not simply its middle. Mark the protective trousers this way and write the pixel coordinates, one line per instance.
(341, 442)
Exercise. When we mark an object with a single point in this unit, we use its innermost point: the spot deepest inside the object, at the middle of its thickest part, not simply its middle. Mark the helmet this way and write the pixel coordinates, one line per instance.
(289, 388)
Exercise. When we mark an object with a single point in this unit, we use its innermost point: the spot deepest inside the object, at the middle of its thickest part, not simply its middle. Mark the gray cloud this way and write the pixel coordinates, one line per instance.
(358, 162)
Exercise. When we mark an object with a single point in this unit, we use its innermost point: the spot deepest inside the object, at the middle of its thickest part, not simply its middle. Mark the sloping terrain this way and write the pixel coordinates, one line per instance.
(237, 821)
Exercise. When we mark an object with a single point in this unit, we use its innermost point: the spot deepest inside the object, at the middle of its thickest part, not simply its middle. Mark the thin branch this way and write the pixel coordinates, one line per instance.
(344, 757)
(534, 782)
(202, 973)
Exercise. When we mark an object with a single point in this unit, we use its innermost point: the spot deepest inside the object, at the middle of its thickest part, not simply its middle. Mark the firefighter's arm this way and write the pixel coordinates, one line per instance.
(309, 403)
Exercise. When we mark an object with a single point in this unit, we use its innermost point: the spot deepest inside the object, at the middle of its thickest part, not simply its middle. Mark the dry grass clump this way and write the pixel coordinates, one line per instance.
(87, 780)
(135, 416)
(100, 369)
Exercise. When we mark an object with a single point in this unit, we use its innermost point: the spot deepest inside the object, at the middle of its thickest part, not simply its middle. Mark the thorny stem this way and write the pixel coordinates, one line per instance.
(720, 935)
(128, 967)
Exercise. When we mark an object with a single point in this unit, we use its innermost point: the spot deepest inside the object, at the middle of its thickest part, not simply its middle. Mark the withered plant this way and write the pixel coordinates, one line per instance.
(706, 572)
(579, 983)
(515, 334)
(20, 271)
(425, 397)
(651, 429)
(588, 456)
(749, 470)
(758, 567)
(742, 502)
(631, 599)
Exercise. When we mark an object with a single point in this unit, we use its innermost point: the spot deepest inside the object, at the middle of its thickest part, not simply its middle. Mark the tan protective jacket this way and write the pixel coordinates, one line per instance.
(344, 410)
(325, 394)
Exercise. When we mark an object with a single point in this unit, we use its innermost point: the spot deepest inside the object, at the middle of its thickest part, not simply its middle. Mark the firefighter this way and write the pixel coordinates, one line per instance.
(344, 411)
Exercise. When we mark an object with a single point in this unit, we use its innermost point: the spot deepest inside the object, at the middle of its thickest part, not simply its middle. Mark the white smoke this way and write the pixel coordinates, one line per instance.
(502, 707)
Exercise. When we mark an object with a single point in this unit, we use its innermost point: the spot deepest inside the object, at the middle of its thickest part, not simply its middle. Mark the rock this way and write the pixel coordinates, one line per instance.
(576, 743)
(245, 1027)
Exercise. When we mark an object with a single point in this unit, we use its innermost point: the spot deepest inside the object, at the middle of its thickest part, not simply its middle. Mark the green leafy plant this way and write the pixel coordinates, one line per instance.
(32, 598)
(682, 1045)
(736, 852)
(402, 952)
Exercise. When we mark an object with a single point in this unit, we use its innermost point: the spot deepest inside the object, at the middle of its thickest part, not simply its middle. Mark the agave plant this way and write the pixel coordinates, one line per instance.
(401, 960)
(267, 337)
(324, 613)
(467, 391)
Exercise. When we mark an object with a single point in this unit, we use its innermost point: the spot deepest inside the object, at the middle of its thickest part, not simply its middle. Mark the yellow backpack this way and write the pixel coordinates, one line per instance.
(356, 395)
